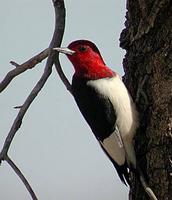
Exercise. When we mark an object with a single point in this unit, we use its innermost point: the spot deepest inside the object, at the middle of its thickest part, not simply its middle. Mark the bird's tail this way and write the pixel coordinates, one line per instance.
(147, 189)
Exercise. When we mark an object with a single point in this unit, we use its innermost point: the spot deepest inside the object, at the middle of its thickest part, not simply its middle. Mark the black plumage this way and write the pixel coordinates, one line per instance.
(100, 114)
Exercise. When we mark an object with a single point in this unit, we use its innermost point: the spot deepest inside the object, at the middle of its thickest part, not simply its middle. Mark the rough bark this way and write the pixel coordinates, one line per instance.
(147, 39)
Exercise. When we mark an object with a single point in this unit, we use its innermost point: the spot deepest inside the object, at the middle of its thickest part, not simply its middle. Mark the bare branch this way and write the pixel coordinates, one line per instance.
(18, 121)
(53, 57)
(14, 63)
(56, 61)
(29, 64)
(56, 41)
(62, 76)
(21, 176)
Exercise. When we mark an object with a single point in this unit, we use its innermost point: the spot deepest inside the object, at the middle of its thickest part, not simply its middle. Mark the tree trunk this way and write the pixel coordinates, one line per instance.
(147, 39)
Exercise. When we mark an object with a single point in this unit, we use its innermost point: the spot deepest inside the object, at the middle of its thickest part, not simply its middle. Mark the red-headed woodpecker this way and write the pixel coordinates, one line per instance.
(105, 104)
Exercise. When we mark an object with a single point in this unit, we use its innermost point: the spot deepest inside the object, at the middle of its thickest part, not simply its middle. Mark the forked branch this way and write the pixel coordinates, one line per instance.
(21, 176)
(53, 57)
(29, 64)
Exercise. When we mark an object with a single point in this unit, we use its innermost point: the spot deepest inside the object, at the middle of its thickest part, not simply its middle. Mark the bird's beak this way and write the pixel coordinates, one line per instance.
(64, 50)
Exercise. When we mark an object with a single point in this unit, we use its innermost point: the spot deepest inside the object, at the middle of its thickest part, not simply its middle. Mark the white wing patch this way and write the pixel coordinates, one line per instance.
(114, 147)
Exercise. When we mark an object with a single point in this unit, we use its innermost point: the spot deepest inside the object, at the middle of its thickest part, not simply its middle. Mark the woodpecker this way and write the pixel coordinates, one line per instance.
(105, 103)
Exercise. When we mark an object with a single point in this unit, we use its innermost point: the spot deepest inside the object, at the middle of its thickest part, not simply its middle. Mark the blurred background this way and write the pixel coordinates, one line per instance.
(55, 148)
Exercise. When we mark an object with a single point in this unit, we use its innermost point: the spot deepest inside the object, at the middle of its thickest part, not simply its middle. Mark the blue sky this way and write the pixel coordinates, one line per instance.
(55, 148)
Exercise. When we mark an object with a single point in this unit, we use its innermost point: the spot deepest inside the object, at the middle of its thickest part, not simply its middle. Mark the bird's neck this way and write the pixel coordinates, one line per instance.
(95, 72)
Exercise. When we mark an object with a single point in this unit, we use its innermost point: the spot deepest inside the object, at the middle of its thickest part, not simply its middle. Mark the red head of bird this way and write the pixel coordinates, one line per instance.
(87, 60)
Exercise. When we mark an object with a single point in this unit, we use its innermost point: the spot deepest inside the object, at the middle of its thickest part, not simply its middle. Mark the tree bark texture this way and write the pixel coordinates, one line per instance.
(147, 40)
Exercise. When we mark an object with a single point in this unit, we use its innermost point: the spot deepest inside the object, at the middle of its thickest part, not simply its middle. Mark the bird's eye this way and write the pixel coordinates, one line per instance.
(82, 48)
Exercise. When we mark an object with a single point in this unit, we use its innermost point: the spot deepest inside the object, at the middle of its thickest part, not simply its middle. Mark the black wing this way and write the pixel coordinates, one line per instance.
(102, 121)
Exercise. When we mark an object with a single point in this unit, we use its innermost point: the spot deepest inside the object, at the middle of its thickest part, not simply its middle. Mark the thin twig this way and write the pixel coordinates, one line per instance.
(21, 176)
(14, 63)
(29, 64)
(62, 76)
(18, 121)
(147, 189)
